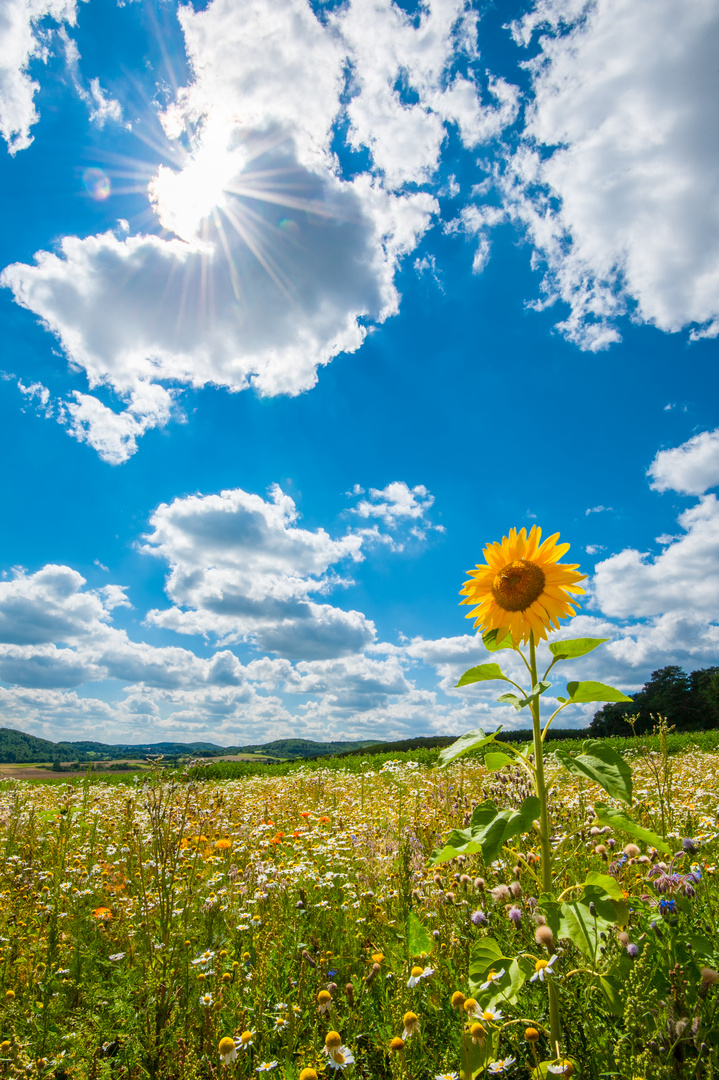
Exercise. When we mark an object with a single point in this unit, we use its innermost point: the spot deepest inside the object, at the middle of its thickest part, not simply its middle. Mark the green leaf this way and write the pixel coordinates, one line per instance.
(602, 765)
(609, 884)
(493, 761)
(573, 919)
(419, 939)
(482, 673)
(592, 691)
(617, 819)
(491, 828)
(459, 842)
(473, 740)
(492, 644)
(522, 702)
(573, 647)
(611, 987)
(487, 955)
(488, 830)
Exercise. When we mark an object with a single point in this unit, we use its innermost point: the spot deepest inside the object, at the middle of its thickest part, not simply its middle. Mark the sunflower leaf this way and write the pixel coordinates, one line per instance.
(617, 819)
(573, 647)
(419, 939)
(602, 765)
(522, 702)
(493, 643)
(493, 762)
(473, 740)
(482, 673)
(593, 691)
(491, 828)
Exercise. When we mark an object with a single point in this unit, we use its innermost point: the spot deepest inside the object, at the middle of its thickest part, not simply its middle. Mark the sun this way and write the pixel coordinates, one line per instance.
(183, 199)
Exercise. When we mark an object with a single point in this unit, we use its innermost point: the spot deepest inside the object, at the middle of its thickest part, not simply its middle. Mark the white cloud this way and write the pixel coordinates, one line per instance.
(691, 468)
(22, 39)
(242, 569)
(683, 578)
(102, 108)
(614, 180)
(114, 435)
(396, 501)
(597, 510)
(279, 260)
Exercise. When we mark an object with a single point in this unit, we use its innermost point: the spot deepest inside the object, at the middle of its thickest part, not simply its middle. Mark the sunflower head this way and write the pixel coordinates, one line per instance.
(522, 588)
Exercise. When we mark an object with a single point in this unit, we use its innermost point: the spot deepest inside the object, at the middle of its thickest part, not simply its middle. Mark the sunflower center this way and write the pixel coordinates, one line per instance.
(517, 585)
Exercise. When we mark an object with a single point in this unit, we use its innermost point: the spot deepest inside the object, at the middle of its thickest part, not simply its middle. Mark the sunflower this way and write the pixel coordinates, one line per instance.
(523, 588)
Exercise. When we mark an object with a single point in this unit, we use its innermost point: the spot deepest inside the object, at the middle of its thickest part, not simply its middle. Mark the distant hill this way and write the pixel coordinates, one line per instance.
(303, 748)
(17, 746)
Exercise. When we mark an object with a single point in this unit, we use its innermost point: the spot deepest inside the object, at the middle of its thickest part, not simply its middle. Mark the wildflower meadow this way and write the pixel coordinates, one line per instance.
(494, 910)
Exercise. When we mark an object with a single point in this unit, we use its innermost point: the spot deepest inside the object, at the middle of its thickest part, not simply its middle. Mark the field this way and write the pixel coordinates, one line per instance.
(143, 922)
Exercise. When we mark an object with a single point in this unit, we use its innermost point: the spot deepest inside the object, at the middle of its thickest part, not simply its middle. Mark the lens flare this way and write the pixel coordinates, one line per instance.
(97, 184)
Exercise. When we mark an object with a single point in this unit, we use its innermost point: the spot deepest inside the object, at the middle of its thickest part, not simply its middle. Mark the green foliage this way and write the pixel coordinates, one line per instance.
(483, 673)
(571, 648)
(583, 692)
(617, 819)
(489, 829)
(472, 741)
(602, 765)
(689, 702)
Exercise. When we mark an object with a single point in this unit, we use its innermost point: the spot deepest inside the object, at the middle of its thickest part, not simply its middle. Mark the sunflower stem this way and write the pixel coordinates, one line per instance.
(544, 834)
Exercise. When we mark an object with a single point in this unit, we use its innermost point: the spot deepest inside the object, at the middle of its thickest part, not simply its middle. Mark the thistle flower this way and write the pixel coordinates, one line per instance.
(478, 918)
(544, 936)
(515, 915)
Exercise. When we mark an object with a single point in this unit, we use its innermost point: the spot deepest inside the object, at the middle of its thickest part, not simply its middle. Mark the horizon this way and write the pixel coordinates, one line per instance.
(304, 304)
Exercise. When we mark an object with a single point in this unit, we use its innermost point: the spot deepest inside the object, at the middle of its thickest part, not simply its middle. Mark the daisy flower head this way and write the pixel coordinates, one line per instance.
(227, 1050)
(308, 1074)
(477, 1033)
(522, 588)
(206, 1001)
(396, 1045)
(458, 999)
(419, 973)
(340, 1058)
(492, 978)
(411, 1024)
(471, 1007)
(562, 1068)
(447, 1076)
(333, 1041)
(503, 1065)
(542, 968)
(245, 1039)
(492, 1014)
(266, 1066)
(324, 1001)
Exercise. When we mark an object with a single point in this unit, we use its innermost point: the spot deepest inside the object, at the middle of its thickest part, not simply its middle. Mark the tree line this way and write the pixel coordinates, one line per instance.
(689, 702)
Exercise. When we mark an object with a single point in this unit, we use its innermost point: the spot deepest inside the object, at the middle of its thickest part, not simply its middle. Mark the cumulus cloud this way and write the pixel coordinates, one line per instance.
(614, 177)
(114, 434)
(684, 577)
(278, 260)
(242, 569)
(690, 469)
(23, 39)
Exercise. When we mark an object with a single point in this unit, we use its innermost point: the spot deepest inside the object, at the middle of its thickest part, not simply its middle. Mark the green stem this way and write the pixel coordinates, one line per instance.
(544, 835)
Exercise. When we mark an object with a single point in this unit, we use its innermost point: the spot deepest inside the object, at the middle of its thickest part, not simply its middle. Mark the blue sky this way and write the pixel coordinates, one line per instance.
(302, 305)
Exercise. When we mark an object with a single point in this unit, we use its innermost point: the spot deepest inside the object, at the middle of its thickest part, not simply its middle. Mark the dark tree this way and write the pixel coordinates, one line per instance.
(689, 702)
